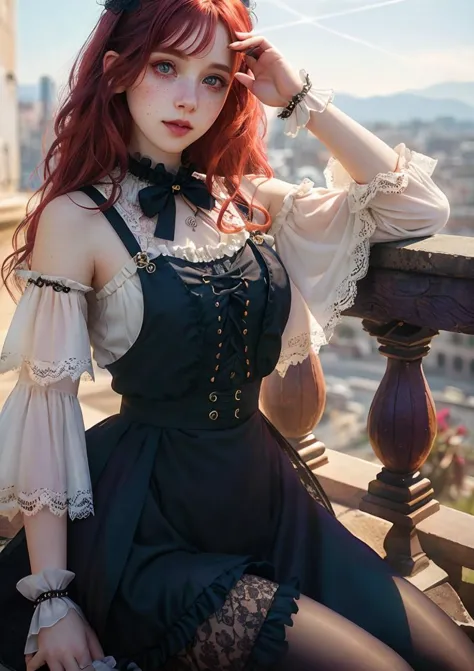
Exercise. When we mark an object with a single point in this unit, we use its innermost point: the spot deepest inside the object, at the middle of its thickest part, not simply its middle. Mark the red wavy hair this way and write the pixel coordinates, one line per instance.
(93, 126)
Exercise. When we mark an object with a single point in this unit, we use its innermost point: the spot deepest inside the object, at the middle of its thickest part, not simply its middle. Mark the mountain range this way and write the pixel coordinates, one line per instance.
(450, 99)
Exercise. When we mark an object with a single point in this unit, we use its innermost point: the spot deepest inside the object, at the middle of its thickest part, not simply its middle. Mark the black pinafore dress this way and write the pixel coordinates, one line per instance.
(193, 487)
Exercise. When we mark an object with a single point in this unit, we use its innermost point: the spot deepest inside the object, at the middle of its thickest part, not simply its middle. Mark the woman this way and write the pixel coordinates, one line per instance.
(211, 545)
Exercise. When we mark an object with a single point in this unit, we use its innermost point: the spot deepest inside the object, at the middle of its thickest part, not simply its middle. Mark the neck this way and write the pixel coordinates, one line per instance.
(171, 162)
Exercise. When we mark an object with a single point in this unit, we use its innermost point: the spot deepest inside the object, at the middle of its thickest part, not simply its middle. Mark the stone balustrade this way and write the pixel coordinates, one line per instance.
(413, 290)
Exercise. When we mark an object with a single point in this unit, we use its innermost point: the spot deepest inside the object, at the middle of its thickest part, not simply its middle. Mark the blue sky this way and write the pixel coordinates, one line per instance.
(369, 47)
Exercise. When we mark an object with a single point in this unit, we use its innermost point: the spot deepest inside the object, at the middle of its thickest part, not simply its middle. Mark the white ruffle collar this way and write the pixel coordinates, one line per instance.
(210, 243)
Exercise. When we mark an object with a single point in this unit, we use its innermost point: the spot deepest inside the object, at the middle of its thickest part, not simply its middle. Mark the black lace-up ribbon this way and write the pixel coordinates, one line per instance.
(159, 197)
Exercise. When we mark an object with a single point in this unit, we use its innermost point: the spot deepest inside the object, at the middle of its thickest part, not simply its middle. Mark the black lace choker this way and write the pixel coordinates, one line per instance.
(159, 197)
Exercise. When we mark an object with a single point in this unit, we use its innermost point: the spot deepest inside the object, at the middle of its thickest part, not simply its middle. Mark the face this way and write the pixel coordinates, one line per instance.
(178, 98)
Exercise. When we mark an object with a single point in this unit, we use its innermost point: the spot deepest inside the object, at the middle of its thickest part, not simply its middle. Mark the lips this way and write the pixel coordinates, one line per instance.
(179, 122)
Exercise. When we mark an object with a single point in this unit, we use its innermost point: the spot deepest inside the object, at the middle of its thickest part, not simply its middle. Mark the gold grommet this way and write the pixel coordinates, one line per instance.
(217, 368)
(247, 361)
(237, 413)
(246, 349)
(220, 345)
(213, 415)
(219, 318)
(217, 304)
(219, 331)
(213, 397)
(247, 303)
(248, 374)
(238, 394)
(245, 313)
(245, 331)
(213, 379)
(218, 355)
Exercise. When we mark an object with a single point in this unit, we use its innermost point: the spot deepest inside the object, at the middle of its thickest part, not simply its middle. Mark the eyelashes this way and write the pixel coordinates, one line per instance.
(165, 69)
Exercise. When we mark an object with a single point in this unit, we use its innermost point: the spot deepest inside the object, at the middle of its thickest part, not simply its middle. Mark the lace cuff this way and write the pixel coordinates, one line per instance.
(314, 101)
(48, 613)
(323, 237)
(48, 332)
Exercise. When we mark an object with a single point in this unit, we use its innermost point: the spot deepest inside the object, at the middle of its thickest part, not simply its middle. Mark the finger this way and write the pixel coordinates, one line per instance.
(70, 663)
(246, 80)
(36, 661)
(95, 647)
(254, 41)
(84, 661)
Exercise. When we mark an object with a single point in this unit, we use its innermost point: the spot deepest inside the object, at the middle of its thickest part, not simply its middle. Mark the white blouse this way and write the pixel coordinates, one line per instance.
(323, 236)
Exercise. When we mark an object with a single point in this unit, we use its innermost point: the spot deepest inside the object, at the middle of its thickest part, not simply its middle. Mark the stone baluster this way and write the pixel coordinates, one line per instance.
(402, 428)
(295, 405)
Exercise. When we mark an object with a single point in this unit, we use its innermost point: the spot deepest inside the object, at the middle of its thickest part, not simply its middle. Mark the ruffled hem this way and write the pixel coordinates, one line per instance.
(12, 502)
(270, 645)
(359, 197)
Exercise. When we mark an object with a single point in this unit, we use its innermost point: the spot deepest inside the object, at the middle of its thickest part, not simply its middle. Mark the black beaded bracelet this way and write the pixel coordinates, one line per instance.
(289, 109)
(52, 594)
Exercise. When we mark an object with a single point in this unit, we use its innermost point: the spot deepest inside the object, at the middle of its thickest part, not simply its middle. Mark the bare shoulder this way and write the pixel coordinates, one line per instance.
(64, 239)
(267, 191)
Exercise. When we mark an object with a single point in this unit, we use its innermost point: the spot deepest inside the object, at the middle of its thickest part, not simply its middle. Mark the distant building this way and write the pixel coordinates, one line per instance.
(9, 144)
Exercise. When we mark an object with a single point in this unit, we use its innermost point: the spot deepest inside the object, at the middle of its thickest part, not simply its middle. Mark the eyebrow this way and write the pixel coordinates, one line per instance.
(181, 54)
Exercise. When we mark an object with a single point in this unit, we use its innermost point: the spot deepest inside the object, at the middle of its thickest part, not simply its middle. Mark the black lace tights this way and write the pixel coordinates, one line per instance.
(322, 640)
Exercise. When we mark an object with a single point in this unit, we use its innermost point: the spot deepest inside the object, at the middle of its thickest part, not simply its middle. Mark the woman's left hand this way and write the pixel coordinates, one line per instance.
(271, 78)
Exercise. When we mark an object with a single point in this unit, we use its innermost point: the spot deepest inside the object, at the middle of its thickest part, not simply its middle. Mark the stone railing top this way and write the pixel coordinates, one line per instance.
(424, 282)
(445, 255)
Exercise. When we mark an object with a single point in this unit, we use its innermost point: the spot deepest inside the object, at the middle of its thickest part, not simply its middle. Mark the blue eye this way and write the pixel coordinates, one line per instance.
(164, 64)
(217, 81)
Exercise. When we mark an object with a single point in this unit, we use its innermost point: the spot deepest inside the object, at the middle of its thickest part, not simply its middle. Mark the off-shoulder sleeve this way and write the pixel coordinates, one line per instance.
(43, 460)
(323, 236)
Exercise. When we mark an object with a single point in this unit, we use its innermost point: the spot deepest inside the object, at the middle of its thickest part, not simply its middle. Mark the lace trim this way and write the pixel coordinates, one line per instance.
(30, 503)
(143, 228)
(359, 197)
(45, 373)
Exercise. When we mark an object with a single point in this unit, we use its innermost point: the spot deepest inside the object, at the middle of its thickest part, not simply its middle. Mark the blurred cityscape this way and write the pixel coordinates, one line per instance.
(443, 127)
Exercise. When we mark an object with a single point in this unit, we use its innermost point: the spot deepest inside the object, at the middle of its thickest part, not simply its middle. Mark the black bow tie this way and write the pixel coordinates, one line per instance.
(159, 198)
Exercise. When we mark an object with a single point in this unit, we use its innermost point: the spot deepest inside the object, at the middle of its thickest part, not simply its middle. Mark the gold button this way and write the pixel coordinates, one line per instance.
(220, 345)
(245, 331)
(246, 348)
(213, 379)
(217, 368)
(217, 304)
(218, 355)
(247, 361)
(247, 303)
(219, 331)
(248, 374)
(245, 313)
(237, 413)
(238, 394)
(213, 397)
(213, 415)
(219, 318)
(232, 375)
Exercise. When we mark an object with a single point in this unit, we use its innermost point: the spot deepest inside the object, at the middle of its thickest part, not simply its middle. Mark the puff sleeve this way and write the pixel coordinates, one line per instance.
(43, 460)
(323, 236)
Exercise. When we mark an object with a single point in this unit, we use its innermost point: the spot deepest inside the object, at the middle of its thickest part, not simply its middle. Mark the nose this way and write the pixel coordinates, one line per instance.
(186, 96)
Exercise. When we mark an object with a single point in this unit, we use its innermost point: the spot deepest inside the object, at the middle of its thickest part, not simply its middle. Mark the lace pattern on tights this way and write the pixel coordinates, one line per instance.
(224, 641)
(30, 503)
